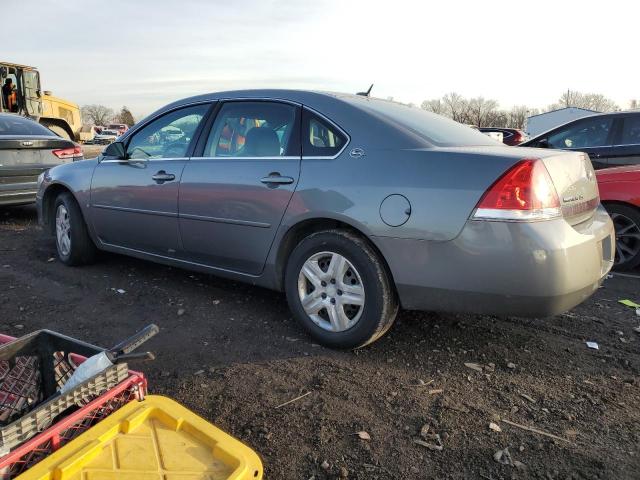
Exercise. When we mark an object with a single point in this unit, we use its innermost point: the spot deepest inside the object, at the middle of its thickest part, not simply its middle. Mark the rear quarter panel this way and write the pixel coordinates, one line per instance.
(442, 185)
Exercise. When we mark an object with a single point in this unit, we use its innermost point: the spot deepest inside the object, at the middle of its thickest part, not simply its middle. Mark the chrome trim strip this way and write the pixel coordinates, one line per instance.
(134, 210)
(331, 122)
(179, 260)
(13, 193)
(289, 157)
(231, 221)
(626, 145)
(143, 160)
(495, 214)
(259, 99)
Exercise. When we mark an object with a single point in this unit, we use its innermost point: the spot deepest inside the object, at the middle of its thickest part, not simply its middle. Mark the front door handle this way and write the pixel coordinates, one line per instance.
(274, 179)
(163, 176)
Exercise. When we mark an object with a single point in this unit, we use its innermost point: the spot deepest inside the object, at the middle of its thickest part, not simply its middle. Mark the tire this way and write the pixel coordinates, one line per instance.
(69, 224)
(58, 130)
(626, 220)
(360, 275)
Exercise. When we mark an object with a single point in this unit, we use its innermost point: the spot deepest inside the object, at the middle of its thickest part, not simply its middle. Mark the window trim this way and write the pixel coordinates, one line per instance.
(207, 128)
(332, 123)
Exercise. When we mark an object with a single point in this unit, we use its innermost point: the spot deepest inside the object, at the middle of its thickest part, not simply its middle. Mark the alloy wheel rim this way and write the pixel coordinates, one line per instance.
(331, 291)
(63, 230)
(627, 238)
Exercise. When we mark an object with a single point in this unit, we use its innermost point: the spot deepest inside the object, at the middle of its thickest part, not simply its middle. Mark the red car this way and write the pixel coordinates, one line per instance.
(620, 195)
(510, 136)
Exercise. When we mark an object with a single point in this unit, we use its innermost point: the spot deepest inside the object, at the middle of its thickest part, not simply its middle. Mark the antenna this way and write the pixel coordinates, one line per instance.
(367, 93)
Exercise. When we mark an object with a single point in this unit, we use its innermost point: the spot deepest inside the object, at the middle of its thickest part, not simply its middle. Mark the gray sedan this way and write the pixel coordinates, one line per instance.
(26, 150)
(351, 205)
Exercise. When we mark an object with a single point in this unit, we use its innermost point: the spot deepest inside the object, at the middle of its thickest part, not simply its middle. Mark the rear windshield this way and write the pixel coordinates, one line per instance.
(435, 129)
(13, 125)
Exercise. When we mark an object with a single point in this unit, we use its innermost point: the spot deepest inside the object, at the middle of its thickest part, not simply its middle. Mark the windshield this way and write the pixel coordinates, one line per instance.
(435, 129)
(14, 125)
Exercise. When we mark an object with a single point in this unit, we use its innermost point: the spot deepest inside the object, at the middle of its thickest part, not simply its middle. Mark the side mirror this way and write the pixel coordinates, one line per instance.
(543, 143)
(116, 150)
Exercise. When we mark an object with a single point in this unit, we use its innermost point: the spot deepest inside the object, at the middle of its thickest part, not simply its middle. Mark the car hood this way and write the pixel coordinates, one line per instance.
(627, 173)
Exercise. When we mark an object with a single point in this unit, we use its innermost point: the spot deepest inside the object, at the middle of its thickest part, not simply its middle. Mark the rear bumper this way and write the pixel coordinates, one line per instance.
(525, 269)
(18, 193)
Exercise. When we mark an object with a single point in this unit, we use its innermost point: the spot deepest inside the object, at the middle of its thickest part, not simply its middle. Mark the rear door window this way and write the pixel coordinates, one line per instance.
(631, 131)
(254, 129)
(590, 132)
(319, 137)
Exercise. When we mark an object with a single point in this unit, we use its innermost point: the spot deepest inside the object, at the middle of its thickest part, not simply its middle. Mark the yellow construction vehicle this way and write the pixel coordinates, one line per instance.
(22, 94)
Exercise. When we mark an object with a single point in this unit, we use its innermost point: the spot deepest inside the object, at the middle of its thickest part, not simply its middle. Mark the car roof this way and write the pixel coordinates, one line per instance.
(305, 97)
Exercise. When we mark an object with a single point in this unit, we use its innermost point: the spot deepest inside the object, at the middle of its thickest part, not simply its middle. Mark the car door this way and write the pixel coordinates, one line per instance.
(134, 200)
(235, 190)
(626, 148)
(592, 135)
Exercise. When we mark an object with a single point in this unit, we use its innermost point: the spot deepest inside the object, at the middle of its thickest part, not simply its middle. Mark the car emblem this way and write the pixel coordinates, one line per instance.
(27, 143)
(356, 153)
(573, 198)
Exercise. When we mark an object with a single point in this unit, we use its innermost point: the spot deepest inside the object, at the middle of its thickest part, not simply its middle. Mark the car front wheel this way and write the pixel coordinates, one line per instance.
(339, 289)
(73, 243)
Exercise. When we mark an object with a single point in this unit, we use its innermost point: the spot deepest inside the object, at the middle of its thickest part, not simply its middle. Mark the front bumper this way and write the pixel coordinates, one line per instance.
(504, 268)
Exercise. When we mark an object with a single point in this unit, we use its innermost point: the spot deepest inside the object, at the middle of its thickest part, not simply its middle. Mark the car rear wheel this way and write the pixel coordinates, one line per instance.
(73, 243)
(626, 221)
(339, 289)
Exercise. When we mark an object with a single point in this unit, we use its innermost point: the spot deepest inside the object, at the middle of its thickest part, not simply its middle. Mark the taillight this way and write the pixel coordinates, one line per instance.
(525, 192)
(71, 152)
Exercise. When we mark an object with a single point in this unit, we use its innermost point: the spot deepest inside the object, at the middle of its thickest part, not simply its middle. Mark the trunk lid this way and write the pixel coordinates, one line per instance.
(576, 184)
(24, 157)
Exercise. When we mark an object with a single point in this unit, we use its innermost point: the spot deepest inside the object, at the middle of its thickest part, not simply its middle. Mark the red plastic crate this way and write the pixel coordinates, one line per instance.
(72, 425)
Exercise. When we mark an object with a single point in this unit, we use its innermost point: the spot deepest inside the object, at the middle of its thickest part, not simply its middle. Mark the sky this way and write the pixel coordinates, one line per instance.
(146, 53)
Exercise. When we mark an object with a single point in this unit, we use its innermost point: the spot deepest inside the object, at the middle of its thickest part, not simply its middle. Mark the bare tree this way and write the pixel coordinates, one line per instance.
(456, 107)
(518, 114)
(436, 106)
(481, 111)
(96, 114)
(590, 101)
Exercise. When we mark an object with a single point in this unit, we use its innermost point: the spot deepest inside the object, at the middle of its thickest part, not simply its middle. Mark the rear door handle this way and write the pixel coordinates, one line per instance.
(274, 179)
(163, 176)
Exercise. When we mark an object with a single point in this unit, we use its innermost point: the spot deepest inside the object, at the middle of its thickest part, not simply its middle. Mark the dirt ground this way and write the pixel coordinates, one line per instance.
(233, 354)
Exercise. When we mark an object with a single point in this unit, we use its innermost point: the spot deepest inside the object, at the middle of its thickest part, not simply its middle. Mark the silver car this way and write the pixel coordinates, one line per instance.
(26, 150)
(353, 206)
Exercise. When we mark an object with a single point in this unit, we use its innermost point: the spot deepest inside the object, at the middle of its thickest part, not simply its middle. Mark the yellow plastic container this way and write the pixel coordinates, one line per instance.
(156, 439)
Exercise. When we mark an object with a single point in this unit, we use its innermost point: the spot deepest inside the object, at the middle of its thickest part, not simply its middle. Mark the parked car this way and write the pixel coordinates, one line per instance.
(620, 194)
(105, 137)
(26, 150)
(353, 206)
(118, 127)
(610, 139)
(510, 136)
